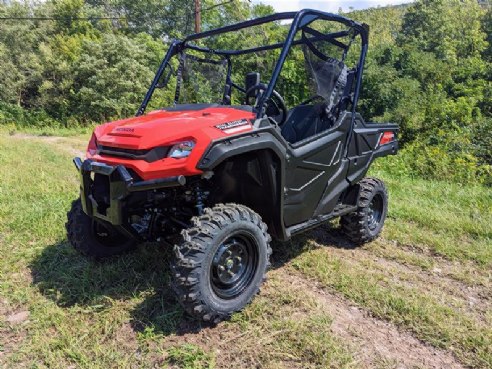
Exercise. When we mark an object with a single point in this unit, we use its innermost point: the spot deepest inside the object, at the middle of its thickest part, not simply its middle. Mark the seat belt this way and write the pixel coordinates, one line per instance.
(346, 97)
(340, 84)
(179, 78)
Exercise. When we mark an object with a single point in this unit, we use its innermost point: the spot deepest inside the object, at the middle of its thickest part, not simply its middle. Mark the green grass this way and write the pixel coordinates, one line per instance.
(121, 314)
(113, 314)
(451, 220)
(48, 131)
(288, 325)
(190, 357)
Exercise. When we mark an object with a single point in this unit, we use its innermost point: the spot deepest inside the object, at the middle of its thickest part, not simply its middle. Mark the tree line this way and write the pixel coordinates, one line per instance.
(429, 69)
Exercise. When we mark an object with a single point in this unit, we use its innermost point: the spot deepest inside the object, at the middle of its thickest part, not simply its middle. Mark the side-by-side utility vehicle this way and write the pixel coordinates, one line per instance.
(257, 142)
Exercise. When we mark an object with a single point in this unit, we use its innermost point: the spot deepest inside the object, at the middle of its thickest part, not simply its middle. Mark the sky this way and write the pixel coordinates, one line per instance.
(330, 6)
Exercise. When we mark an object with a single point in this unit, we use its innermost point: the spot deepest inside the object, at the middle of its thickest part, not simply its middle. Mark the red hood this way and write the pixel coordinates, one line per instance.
(162, 127)
(165, 128)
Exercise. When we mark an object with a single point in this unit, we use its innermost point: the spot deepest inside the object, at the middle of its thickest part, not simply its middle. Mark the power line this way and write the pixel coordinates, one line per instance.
(103, 18)
(185, 18)
(198, 13)
(60, 18)
(217, 5)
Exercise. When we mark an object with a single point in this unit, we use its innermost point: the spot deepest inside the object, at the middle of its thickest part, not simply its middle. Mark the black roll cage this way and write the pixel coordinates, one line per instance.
(300, 20)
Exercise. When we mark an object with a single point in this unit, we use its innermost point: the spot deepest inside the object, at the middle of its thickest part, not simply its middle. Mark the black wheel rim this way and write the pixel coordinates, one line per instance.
(234, 265)
(375, 212)
(107, 235)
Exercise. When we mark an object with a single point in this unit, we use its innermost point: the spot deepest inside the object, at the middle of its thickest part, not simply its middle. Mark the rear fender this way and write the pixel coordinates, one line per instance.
(367, 143)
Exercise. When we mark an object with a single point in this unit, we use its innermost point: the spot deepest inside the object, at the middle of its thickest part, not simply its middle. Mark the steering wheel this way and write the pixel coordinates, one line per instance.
(275, 105)
(312, 99)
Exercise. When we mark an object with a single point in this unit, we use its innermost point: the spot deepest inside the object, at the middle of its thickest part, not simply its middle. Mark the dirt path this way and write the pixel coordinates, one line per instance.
(376, 342)
(475, 299)
(70, 145)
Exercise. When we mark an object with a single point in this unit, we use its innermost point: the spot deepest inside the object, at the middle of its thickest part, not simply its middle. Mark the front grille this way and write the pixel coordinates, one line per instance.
(117, 150)
(149, 155)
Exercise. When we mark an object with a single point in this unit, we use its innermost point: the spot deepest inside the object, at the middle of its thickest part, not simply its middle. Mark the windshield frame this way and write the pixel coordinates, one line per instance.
(299, 20)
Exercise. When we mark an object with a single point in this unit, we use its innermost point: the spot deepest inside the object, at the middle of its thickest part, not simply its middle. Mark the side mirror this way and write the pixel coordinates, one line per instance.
(252, 79)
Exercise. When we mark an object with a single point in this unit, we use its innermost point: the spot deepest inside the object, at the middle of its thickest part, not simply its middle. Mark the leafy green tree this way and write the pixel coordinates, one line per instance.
(487, 29)
(111, 77)
(12, 81)
(451, 29)
(21, 68)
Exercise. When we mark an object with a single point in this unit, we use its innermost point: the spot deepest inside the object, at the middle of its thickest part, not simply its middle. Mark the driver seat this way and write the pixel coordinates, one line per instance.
(305, 121)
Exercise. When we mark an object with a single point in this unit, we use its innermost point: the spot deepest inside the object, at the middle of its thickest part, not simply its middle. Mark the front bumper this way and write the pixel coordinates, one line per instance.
(121, 185)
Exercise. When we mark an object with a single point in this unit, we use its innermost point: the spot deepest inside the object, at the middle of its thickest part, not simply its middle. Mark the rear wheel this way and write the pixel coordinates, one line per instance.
(221, 261)
(366, 223)
(93, 237)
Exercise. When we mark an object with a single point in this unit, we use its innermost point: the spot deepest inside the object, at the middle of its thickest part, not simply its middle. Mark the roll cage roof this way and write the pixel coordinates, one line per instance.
(300, 21)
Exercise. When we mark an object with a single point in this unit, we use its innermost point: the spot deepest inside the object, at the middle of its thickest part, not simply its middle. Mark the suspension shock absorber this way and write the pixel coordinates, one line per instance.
(200, 197)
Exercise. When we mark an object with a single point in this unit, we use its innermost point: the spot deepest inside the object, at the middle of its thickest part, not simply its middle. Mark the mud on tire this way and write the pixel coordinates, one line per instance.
(86, 235)
(221, 261)
(366, 223)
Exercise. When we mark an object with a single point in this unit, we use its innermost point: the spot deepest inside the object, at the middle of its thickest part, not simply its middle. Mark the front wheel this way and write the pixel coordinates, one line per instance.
(221, 261)
(93, 237)
(366, 223)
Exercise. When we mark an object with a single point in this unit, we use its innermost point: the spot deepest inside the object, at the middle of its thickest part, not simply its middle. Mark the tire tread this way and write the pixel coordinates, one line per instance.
(188, 256)
(354, 224)
(78, 227)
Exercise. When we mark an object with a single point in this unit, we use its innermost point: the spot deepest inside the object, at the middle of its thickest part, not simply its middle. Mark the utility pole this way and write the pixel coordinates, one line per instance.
(198, 17)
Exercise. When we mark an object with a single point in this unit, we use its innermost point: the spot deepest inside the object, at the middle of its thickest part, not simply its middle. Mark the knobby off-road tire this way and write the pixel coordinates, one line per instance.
(366, 223)
(221, 261)
(94, 238)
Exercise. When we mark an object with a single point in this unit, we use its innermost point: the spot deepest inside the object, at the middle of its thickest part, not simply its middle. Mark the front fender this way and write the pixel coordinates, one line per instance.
(223, 149)
(259, 183)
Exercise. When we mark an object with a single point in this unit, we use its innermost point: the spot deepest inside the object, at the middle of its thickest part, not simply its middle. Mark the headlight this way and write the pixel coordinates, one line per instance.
(181, 149)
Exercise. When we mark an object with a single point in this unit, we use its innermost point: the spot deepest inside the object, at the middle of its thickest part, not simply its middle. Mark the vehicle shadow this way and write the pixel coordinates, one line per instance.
(326, 235)
(70, 279)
